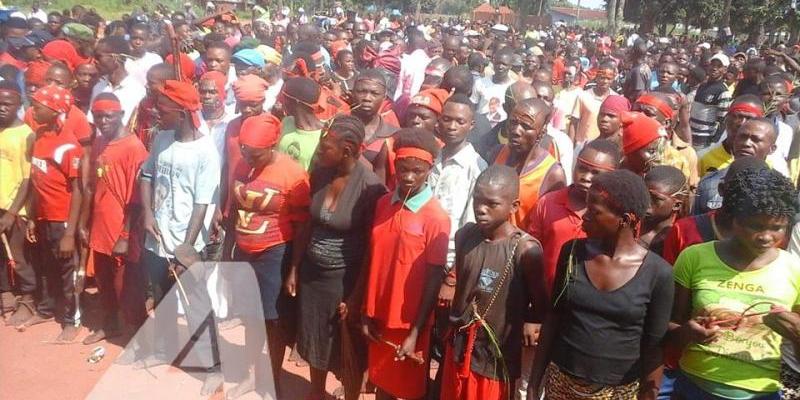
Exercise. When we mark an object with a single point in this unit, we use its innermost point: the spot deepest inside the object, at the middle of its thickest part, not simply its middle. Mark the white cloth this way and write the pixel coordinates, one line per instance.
(412, 73)
(565, 149)
(129, 92)
(38, 14)
(271, 95)
(452, 181)
(216, 129)
(183, 174)
(138, 67)
(490, 96)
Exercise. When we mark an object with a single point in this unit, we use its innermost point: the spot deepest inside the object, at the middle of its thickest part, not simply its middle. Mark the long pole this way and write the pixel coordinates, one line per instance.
(578, 12)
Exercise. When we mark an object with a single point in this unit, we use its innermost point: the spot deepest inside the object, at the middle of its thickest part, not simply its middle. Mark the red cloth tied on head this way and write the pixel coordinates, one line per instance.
(413, 152)
(747, 108)
(35, 74)
(54, 97)
(431, 98)
(187, 66)
(106, 105)
(260, 131)
(337, 46)
(250, 88)
(388, 59)
(657, 102)
(185, 95)
(638, 130)
(615, 105)
(219, 80)
(65, 52)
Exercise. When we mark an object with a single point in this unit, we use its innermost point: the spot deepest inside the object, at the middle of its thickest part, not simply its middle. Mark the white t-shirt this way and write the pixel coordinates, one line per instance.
(183, 174)
(138, 67)
(412, 73)
(490, 96)
(129, 92)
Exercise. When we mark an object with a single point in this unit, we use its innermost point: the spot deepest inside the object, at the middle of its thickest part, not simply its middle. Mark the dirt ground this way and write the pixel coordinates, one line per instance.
(31, 368)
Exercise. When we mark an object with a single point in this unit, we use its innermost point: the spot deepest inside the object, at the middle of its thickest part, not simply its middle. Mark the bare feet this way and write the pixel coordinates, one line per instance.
(244, 387)
(68, 334)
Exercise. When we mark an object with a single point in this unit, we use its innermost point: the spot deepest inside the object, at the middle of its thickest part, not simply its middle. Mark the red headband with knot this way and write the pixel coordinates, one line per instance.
(658, 103)
(112, 105)
(260, 131)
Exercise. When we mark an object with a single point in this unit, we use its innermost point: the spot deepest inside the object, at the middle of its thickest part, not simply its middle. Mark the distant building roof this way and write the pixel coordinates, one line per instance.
(586, 14)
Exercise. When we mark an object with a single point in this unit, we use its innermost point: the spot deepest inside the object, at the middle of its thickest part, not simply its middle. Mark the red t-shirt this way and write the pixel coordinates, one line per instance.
(75, 123)
(115, 168)
(403, 245)
(268, 202)
(553, 223)
(686, 232)
(56, 159)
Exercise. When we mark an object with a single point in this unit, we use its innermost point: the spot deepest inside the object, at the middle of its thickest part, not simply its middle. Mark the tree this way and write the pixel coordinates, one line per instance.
(611, 15)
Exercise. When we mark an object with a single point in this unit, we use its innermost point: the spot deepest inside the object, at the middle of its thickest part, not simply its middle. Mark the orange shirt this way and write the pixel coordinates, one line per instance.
(55, 162)
(530, 183)
(406, 241)
(268, 202)
(115, 170)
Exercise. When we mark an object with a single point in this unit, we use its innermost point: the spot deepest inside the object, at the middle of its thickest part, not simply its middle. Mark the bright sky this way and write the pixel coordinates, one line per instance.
(600, 4)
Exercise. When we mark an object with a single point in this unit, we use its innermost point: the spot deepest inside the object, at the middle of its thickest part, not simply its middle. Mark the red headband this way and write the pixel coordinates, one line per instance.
(747, 108)
(106, 105)
(660, 105)
(408, 152)
(595, 165)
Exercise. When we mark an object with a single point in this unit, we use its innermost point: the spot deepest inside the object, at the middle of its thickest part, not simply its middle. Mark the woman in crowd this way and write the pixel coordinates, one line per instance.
(735, 298)
(601, 339)
(271, 197)
(343, 196)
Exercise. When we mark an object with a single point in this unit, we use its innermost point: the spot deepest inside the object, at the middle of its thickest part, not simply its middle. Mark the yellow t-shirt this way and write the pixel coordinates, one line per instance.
(16, 143)
(716, 158)
(747, 357)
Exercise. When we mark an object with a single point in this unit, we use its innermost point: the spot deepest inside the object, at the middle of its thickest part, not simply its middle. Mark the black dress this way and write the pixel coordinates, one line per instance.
(333, 260)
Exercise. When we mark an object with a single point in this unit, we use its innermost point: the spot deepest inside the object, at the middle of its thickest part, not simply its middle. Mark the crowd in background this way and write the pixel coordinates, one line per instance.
(527, 210)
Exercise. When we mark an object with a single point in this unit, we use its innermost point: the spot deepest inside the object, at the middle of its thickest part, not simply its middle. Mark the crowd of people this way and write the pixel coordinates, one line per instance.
(538, 211)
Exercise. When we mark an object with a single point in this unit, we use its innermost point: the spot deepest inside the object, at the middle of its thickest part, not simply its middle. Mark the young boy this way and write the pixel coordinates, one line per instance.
(668, 189)
(116, 158)
(16, 141)
(495, 260)
(57, 199)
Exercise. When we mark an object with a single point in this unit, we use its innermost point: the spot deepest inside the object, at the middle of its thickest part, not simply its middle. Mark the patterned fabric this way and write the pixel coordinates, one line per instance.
(560, 386)
(790, 379)
(54, 97)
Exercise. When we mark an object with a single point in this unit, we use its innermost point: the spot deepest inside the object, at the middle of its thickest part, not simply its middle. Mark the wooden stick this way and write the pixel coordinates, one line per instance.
(416, 357)
(11, 262)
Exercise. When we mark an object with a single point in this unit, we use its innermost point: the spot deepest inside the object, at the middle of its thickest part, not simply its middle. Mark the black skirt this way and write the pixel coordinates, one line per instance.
(320, 292)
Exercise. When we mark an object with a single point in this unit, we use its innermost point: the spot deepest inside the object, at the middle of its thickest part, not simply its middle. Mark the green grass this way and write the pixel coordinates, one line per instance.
(109, 9)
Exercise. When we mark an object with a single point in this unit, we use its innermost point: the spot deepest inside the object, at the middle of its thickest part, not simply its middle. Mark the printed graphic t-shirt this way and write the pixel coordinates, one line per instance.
(747, 357)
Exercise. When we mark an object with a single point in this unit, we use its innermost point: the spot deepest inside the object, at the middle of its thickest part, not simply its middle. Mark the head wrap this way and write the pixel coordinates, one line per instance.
(387, 60)
(638, 130)
(337, 46)
(64, 51)
(219, 80)
(431, 98)
(657, 102)
(54, 97)
(250, 88)
(249, 57)
(187, 66)
(184, 95)
(260, 131)
(270, 55)
(78, 31)
(35, 74)
(616, 105)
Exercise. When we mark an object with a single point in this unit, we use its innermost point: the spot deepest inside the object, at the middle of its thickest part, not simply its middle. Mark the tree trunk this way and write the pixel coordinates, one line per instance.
(725, 20)
(620, 14)
(611, 16)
